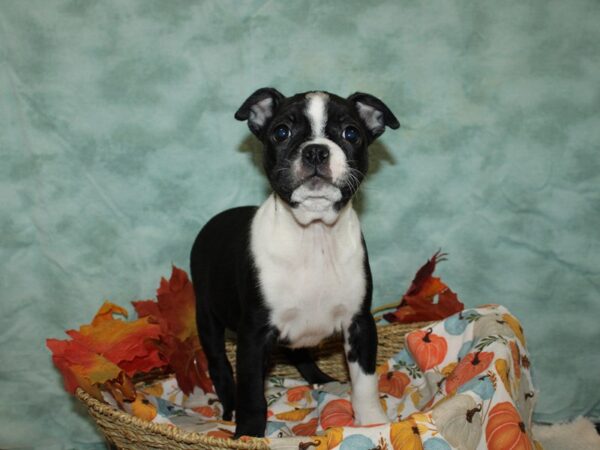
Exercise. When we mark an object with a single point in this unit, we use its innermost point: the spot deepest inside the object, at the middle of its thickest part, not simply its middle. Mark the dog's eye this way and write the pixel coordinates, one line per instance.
(281, 133)
(351, 134)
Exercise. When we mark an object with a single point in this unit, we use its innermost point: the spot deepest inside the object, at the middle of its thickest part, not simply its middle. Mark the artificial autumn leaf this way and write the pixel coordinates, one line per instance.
(175, 313)
(418, 303)
(106, 352)
(122, 389)
(177, 304)
(107, 311)
(81, 367)
(188, 361)
(128, 344)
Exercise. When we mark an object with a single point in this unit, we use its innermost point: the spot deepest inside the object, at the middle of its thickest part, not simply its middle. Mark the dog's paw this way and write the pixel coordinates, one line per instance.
(370, 415)
(254, 427)
(227, 414)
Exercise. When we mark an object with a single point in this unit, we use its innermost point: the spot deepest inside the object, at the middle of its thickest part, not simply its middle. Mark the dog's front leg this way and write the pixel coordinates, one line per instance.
(360, 343)
(253, 347)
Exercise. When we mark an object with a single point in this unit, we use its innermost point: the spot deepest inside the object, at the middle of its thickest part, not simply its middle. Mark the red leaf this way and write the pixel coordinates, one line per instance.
(177, 304)
(424, 273)
(175, 312)
(418, 303)
(188, 361)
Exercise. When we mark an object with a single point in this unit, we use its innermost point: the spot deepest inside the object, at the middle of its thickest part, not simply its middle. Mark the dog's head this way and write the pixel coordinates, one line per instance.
(315, 146)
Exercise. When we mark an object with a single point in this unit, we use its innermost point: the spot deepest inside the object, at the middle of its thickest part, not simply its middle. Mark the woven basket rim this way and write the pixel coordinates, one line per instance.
(98, 409)
(167, 430)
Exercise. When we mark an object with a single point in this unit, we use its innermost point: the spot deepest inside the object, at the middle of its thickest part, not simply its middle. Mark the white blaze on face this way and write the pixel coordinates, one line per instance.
(316, 112)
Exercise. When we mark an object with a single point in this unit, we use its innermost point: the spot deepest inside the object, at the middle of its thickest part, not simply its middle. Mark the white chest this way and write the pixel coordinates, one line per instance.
(312, 277)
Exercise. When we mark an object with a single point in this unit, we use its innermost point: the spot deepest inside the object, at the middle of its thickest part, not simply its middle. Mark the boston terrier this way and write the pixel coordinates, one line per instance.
(294, 270)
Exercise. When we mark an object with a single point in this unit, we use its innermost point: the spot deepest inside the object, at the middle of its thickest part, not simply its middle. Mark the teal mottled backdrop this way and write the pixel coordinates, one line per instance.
(118, 142)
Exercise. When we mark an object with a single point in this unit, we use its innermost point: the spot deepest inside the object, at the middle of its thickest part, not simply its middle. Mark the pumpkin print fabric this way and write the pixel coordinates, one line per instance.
(462, 383)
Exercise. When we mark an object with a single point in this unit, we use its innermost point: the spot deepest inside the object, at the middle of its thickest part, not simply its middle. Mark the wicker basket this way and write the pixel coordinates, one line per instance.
(127, 432)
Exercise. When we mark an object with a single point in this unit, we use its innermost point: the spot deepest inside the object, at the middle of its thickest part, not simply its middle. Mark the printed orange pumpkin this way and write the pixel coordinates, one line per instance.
(337, 413)
(427, 349)
(220, 433)
(306, 429)
(143, 409)
(468, 367)
(505, 429)
(206, 411)
(405, 435)
(298, 393)
(393, 383)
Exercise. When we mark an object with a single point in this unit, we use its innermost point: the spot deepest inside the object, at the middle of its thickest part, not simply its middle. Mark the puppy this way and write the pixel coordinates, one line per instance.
(294, 270)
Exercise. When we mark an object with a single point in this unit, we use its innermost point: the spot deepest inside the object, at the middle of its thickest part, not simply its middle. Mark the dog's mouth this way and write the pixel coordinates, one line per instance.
(316, 192)
(316, 182)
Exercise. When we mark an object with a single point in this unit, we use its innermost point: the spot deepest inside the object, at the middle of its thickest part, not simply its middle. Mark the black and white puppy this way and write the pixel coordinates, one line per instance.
(294, 270)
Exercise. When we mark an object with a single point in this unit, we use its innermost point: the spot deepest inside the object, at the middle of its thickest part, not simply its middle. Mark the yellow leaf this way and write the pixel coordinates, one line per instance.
(294, 415)
(449, 368)
(416, 397)
(106, 312)
(334, 436)
(502, 369)
(514, 324)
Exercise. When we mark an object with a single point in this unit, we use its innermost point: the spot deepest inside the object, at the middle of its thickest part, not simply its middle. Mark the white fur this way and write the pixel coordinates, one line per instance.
(316, 204)
(338, 164)
(372, 117)
(312, 276)
(365, 396)
(316, 111)
(261, 111)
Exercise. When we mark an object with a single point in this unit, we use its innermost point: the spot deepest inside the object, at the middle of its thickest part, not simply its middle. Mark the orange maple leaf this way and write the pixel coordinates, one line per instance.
(418, 303)
(81, 367)
(129, 344)
(105, 353)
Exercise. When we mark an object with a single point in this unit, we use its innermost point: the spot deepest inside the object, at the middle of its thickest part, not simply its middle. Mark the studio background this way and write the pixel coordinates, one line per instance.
(118, 143)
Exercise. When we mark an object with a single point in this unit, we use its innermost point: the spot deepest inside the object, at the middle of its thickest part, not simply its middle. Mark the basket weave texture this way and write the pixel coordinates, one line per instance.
(127, 432)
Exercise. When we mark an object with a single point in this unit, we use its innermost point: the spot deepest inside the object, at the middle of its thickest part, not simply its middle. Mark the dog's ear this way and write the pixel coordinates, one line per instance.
(258, 109)
(374, 113)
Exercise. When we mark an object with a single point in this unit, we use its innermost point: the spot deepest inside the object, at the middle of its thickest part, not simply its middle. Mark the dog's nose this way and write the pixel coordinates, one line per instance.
(315, 154)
